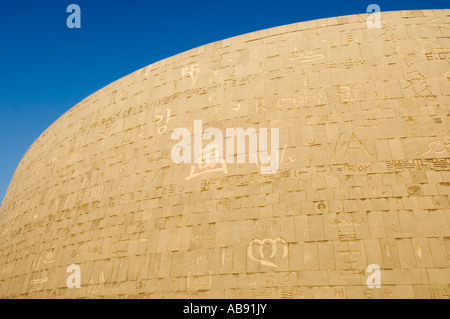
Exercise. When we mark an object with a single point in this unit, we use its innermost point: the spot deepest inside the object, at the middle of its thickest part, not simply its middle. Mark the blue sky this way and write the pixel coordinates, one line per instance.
(47, 68)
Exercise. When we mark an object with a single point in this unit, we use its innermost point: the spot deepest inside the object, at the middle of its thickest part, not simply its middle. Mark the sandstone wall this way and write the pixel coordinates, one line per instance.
(363, 178)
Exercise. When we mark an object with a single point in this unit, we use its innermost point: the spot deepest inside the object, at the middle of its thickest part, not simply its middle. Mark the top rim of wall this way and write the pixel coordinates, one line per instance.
(269, 32)
(243, 38)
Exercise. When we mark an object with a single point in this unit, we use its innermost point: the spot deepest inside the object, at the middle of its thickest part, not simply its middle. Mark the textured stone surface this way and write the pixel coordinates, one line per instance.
(364, 174)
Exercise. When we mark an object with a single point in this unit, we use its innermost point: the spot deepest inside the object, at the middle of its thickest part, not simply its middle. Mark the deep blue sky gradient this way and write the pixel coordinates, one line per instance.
(46, 68)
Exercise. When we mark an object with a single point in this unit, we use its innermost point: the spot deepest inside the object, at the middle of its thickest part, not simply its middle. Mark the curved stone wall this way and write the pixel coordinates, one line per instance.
(360, 175)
